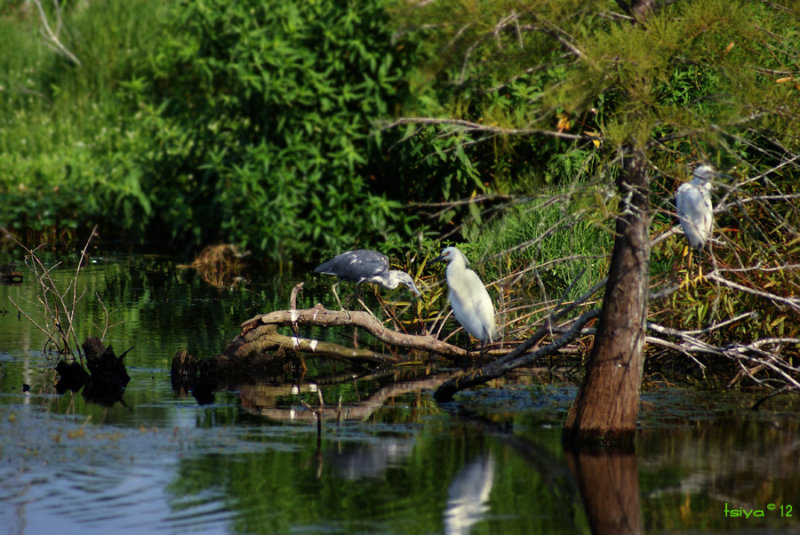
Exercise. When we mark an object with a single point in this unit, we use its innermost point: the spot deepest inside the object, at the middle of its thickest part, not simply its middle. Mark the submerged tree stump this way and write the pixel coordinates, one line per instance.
(71, 376)
(104, 366)
(106, 379)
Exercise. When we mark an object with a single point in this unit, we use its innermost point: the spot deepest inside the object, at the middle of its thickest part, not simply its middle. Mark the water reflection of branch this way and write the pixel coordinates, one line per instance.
(254, 399)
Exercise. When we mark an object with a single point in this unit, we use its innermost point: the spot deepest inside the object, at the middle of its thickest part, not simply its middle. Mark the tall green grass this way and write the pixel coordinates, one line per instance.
(548, 245)
(65, 144)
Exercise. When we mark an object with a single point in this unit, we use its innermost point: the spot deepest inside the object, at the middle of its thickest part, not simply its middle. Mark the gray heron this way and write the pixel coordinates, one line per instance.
(364, 265)
(695, 212)
(468, 297)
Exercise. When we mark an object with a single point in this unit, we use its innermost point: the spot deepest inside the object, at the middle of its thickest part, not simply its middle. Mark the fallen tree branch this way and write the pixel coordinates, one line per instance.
(259, 335)
(751, 353)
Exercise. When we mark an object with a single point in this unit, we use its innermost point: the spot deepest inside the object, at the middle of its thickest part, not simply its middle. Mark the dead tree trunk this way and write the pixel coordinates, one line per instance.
(607, 404)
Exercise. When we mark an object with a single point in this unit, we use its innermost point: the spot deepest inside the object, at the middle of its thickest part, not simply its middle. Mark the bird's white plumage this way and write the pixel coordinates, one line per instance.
(695, 212)
(468, 297)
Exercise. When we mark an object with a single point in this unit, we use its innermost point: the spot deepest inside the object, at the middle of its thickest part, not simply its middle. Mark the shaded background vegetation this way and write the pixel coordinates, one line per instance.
(270, 125)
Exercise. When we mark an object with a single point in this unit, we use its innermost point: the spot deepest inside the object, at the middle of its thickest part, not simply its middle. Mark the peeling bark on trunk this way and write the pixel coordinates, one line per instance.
(607, 404)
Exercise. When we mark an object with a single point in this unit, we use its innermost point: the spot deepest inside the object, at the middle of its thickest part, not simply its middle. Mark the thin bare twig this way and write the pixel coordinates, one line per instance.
(791, 302)
(470, 126)
(51, 36)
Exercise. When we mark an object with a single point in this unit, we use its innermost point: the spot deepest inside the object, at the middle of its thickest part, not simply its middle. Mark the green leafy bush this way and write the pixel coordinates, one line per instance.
(184, 124)
(68, 141)
(260, 115)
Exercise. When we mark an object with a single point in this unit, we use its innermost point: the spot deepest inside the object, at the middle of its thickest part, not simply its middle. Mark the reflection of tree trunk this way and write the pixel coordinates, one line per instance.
(608, 402)
(609, 485)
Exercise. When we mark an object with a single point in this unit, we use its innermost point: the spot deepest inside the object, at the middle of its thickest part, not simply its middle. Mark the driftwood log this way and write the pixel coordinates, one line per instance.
(259, 335)
(261, 353)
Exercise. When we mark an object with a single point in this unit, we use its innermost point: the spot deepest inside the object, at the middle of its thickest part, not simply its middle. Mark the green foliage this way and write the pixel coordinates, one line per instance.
(558, 91)
(68, 144)
(252, 122)
(556, 248)
(208, 121)
(260, 116)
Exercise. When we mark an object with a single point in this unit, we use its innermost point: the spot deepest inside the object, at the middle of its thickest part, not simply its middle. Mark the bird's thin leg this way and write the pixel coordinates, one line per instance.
(355, 329)
(336, 295)
(699, 267)
(363, 304)
(700, 277)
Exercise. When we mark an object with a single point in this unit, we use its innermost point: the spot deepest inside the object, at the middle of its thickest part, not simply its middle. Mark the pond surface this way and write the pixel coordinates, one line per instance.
(254, 461)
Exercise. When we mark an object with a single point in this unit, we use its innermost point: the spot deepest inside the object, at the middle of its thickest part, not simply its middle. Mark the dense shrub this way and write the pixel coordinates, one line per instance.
(260, 115)
(68, 141)
(196, 122)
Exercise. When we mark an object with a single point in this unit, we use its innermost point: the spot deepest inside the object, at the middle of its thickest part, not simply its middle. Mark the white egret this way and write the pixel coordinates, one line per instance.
(364, 265)
(471, 303)
(693, 200)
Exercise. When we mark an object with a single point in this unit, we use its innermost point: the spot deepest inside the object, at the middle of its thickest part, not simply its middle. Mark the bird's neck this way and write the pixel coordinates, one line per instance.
(456, 264)
(387, 280)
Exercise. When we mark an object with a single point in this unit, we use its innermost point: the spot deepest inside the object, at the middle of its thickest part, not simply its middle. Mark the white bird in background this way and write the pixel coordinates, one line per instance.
(693, 200)
(471, 303)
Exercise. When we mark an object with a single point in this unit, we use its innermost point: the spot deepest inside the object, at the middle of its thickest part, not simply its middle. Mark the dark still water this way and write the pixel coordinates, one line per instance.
(390, 460)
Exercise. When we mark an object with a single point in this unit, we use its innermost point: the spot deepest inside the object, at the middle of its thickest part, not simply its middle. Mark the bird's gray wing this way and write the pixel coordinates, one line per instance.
(355, 265)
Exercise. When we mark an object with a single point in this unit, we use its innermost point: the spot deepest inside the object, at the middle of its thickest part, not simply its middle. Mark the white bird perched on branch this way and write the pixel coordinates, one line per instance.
(693, 200)
(471, 303)
(364, 265)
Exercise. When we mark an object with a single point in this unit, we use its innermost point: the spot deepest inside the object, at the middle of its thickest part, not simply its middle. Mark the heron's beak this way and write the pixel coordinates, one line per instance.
(439, 258)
